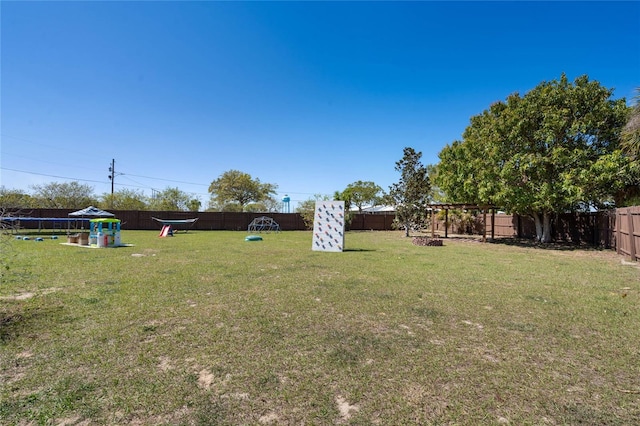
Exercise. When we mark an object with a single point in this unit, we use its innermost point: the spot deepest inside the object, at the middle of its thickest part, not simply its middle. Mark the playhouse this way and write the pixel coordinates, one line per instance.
(104, 232)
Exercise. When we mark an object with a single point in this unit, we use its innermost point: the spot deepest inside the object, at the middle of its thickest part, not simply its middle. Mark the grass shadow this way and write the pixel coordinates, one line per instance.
(16, 319)
(554, 245)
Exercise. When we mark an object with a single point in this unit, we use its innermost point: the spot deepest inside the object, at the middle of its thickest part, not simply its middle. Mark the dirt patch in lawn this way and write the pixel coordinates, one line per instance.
(25, 295)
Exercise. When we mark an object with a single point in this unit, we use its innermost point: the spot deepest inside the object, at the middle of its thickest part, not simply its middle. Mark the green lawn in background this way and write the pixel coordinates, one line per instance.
(204, 328)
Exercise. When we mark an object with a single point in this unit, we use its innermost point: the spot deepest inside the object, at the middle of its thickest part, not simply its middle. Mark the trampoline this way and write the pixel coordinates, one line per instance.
(56, 222)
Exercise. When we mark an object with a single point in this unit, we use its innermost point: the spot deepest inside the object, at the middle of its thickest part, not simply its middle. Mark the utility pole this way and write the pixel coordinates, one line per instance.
(112, 177)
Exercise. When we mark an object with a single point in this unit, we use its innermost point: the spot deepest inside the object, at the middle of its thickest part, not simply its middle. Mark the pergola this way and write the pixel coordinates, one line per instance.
(463, 206)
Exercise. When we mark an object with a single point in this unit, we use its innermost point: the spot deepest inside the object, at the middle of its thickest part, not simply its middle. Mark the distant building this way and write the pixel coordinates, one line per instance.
(374, 209)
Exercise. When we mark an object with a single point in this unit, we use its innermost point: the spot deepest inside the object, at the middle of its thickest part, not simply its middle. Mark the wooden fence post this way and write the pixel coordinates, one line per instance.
(484, 227)
(446, 223)
(618, 225)
(493, 224)
(632, 238)
(433, 223)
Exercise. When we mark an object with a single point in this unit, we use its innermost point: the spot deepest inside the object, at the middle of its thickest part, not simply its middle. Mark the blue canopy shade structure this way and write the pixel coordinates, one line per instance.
(91, 212)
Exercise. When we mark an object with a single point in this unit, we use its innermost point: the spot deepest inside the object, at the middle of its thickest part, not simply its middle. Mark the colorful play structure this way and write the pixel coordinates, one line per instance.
(104, 233)
(104, 229)
(166, 231)
(328, 226)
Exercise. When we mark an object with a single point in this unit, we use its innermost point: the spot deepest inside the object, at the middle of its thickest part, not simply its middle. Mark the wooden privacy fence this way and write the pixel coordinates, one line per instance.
(627, 232)
(208, 221)
(374, 222)
(143, 220)
(598, 228)
(618, 229)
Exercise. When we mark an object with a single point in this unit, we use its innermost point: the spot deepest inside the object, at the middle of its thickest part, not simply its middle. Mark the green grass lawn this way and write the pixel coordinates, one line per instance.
(206, 329)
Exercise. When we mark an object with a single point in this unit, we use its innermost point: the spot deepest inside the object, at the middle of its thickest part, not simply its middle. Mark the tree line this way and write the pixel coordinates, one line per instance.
(563, 146)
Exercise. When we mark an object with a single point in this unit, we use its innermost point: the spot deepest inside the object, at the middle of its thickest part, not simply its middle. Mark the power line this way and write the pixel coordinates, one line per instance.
(63, 177)
(142, 185)
(4, 135)
(53, 146)
(95, 181)
(119, 174)
(53, 176)
(139, 186)
(40, 160)
(167, 180)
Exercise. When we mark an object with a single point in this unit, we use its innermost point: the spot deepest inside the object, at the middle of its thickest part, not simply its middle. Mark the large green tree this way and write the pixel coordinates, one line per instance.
(71, 195)
(194, 205)
(237, 187)
(171, 199)
(362, 193)
(307, 209)
(412, 193)
(630, 144)
(124, 199)
(268, 205)
(11, 199)
(557, 148)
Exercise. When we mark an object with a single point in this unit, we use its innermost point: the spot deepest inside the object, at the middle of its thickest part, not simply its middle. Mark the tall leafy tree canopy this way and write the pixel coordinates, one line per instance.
(556, 148)
(631, 133)
(14, 199)
(234, 186)
(630, 146)
(307, 208)
(71, 195)
(194, 205)
(361, 194)
(170, 199)
(412, 193)
(124, 199)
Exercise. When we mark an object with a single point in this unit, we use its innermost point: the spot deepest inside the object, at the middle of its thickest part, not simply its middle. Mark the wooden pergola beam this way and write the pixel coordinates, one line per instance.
(463, 206)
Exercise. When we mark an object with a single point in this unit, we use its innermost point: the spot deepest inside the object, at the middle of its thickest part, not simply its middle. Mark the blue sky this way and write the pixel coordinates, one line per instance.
(310, 96)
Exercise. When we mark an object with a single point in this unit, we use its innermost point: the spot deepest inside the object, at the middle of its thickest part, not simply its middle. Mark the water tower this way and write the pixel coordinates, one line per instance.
(285, 201)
